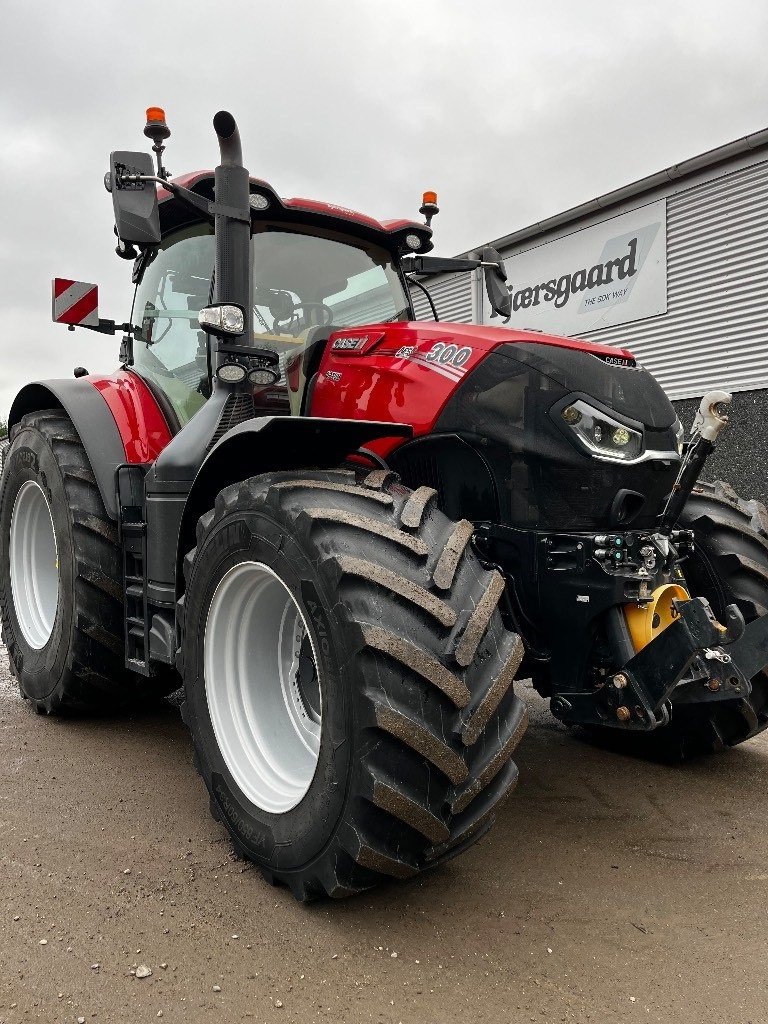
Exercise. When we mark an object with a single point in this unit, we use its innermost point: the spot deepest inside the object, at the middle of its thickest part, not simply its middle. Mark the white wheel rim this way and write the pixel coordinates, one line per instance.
(34, 565)
(262, 686)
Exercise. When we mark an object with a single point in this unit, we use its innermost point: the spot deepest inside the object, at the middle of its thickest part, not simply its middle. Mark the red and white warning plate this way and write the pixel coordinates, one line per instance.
(75, 302)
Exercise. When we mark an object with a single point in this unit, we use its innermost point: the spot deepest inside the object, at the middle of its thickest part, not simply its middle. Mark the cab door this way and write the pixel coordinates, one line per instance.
(170, 350)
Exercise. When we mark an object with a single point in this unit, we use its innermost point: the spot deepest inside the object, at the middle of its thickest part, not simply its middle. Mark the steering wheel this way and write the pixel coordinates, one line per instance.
(326, 311)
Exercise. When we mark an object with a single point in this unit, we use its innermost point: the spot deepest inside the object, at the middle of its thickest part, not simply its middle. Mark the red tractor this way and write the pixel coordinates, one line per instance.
(345, 532)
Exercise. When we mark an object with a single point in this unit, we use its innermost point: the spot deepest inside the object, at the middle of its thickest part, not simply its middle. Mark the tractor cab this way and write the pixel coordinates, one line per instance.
(314, 269)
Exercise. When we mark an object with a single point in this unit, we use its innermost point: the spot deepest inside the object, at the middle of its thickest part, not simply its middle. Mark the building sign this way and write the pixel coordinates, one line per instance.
(610, 273)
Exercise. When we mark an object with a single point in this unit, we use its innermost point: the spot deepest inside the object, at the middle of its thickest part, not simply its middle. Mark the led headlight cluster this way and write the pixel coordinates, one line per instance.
(223, 318)
(602, 435)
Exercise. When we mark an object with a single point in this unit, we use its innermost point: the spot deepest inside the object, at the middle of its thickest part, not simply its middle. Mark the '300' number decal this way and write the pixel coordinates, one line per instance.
(442, 353)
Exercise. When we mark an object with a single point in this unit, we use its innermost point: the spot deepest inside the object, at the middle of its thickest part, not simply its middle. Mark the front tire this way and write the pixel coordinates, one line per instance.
(402, 667)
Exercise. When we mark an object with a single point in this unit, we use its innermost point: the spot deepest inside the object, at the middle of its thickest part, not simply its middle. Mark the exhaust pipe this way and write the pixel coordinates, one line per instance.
(232, 282)
(229, 139)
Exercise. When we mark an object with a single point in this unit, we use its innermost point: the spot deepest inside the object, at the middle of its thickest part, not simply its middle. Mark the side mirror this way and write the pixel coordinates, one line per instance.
(137, 217)
(495, 277)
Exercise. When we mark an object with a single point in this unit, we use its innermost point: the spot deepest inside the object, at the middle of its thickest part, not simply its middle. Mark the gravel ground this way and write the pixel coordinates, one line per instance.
(611, 890)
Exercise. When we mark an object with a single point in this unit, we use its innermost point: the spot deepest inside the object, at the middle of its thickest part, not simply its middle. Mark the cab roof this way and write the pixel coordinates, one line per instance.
(390, 234)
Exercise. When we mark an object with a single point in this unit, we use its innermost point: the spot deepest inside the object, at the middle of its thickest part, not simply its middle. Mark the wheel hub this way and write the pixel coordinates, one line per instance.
(262, 686)
(34, 565)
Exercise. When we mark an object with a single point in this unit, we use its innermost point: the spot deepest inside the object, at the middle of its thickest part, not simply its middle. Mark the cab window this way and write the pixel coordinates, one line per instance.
(170, 350)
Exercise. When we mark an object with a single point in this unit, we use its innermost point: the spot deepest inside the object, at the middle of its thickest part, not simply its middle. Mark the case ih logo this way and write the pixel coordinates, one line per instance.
(349, 344)
(75, 302)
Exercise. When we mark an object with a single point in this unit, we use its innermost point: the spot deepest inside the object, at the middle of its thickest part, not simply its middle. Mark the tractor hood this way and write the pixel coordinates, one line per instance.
(481, 339)
(426, 364)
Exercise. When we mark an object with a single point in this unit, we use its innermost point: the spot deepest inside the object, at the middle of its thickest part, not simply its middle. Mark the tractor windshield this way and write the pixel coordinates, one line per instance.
(306, 284)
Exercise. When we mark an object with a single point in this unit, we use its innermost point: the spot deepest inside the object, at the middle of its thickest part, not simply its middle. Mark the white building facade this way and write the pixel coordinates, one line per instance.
(673, 267)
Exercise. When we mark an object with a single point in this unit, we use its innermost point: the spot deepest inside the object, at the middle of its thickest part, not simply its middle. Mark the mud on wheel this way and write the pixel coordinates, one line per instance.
(60, 575)
(348, 678)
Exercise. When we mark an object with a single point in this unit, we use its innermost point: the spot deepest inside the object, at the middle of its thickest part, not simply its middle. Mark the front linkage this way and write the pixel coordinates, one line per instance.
(695, 657)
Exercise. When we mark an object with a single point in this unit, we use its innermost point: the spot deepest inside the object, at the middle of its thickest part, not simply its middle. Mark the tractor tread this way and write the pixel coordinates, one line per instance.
(477, 624)
(494, 694)
(416, 505)
(433, 734)
(327, 485)
(494, 763)
(384, 864)
(103, 528)
(338, 515)
(398, 584)
(100, 581)
(418, 660)
(379, 478)
(410, 812)
(424, 742)
(448, 562)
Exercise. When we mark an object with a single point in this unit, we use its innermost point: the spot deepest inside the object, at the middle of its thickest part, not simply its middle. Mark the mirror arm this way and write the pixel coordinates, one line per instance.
(104, 327)
(436, 265)
(191, 199)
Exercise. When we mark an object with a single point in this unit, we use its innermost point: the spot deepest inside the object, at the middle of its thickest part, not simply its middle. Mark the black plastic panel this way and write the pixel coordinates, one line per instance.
(544, 478)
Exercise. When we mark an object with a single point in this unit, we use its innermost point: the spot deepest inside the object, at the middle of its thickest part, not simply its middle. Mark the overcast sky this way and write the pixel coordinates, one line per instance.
(511, 111)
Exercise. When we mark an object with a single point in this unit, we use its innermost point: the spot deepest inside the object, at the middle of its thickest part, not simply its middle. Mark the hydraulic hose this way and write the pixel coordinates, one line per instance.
(707, 427)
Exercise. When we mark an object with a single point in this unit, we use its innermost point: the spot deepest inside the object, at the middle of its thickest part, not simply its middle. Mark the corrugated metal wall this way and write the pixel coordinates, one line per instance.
(369, 308)
(452, 296)
(715, 330)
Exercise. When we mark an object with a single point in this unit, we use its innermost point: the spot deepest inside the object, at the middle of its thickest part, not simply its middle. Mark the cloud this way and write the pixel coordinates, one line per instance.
(511, 112)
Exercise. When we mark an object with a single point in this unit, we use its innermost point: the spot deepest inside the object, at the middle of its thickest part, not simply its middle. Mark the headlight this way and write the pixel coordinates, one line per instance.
(231, 373)
(601, 434)
(222, 318)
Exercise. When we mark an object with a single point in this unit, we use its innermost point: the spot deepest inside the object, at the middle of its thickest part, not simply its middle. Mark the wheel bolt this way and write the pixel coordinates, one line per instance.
(623, 713)
(620, 681)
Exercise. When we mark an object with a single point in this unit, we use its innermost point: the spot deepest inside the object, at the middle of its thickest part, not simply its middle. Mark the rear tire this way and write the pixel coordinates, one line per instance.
(417, 715)
(66, 651)
(730, 565)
